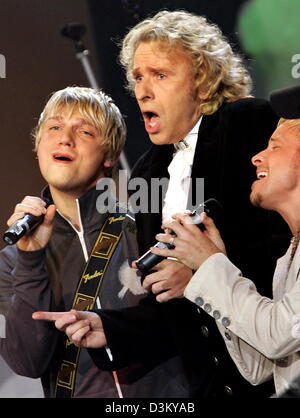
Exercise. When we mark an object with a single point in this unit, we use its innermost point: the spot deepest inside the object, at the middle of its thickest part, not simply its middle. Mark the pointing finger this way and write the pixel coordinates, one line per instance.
(49, 316)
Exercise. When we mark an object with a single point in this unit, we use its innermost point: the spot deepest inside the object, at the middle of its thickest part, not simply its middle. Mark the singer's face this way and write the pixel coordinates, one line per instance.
(278, 170)
(164, 89)
(70, 153)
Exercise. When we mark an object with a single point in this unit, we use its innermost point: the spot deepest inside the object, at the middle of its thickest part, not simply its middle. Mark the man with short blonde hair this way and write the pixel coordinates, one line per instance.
(74, 256)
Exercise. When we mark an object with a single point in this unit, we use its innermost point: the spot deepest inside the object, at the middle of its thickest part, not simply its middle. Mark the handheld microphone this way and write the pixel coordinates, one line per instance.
(22, 226)
(213, 209)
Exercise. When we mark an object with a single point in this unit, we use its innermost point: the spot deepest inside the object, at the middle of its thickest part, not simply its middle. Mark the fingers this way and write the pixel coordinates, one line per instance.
(49, 316)
(167, 238)
(184, 217)
(166, 296)
(31, 205)
(157, 285)
(77, 331)
(213, 233)
(173, 227)
(79, 337)
(68, 322)
(207, 221)
(61, 319)
(165, 252)
(183, 227)
(160, 286)
(170, 282)
(150, 280)
(49, 214)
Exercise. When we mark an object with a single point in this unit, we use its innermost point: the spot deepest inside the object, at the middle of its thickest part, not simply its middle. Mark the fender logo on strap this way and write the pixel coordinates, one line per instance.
(112, 219)
(88, 277)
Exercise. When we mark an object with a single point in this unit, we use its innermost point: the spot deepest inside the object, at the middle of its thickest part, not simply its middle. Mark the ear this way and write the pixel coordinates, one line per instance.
(202, 94)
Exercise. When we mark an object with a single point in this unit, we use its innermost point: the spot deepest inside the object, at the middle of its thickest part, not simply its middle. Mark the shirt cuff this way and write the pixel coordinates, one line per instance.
(193, 289)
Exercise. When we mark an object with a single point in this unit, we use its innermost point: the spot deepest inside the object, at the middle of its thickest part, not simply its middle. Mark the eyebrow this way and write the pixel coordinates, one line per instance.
(135, 71)
(61, 119)
(273, 140)
(160, 69)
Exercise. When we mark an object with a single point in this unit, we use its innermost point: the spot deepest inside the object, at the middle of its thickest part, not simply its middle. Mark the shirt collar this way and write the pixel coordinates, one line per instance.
(190, 140)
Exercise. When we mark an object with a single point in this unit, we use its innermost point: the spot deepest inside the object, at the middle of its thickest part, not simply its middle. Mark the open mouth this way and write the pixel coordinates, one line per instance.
(262, 175)
(150, 117)
(152, 121)
(62, 157)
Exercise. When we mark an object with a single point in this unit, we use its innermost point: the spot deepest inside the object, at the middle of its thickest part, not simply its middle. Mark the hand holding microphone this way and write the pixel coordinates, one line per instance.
(192, 246)
(31, 224)
(165, 247)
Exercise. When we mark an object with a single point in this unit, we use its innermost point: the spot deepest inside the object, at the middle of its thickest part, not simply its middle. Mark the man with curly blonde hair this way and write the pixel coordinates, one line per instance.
(218, 73)
(193, 93)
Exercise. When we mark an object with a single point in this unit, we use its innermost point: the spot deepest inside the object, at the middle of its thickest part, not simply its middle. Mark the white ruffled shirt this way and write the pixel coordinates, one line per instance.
(180, 170)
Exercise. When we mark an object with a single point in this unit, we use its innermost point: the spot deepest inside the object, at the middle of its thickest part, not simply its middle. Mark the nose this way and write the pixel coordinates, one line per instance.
(144, 90)
(66, 138)
(258, 159)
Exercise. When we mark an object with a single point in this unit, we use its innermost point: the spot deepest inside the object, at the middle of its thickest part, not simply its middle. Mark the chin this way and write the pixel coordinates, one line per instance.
(260, 202)
(64, 186)
(256, 199)
(157, 139)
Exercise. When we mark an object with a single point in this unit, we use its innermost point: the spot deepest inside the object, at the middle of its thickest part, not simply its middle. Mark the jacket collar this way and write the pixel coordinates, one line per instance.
(90, 217)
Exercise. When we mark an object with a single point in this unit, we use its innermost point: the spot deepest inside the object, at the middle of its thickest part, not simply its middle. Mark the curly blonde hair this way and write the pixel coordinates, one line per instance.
(218, 71)
(98, 108)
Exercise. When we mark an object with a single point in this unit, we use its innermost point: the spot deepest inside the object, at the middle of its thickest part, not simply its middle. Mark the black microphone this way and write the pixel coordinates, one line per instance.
(213, 209)
(22, 226)
(75, 32)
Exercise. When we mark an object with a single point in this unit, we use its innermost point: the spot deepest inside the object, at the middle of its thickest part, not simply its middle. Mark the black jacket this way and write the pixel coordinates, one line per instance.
(47, 280)
(151, 332)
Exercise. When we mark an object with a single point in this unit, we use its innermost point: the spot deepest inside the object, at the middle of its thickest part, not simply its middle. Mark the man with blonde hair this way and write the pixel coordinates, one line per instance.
(193, 93)
(71, 259)
(264, 333)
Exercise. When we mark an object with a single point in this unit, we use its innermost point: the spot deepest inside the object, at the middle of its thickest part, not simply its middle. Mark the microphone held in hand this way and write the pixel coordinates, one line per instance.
(21, 227)
(213, 209)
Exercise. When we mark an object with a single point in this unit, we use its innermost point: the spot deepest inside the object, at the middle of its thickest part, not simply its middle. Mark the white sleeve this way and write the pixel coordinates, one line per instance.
(266, 326)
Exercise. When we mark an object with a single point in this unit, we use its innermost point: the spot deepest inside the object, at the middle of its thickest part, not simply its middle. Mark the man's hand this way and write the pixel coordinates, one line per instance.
(40, 236)
(83, 328)
(192, 246)
(169, 280)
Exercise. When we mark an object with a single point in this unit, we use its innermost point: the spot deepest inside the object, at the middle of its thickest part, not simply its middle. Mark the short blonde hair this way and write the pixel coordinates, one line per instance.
(99, 110)
(290, 122)
(217, 69)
